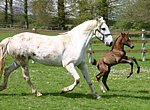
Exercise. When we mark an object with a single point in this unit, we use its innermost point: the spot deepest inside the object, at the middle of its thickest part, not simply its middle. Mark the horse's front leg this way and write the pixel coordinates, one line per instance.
(84, 71)
(71, 69)
(7, 72)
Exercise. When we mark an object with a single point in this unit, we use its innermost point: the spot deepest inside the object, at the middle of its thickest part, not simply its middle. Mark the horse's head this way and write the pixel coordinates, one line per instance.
(126, 40)
(102, 32)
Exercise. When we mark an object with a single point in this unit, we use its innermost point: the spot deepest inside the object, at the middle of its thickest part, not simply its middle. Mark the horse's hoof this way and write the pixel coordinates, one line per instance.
(98, 97)
(64, 90)
(37, 94)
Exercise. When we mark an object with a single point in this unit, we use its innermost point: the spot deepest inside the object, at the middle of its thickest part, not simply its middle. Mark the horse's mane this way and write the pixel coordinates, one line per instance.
(85, 24)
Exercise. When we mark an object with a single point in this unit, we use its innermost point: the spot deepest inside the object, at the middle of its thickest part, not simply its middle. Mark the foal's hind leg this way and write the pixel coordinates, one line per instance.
(25, 71)
(104, 79)
(7, 72)
(98, 76)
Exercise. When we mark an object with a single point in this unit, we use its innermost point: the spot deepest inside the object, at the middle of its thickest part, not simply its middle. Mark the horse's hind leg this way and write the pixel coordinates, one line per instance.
(25, 71)
(84, 71)
(7, 72)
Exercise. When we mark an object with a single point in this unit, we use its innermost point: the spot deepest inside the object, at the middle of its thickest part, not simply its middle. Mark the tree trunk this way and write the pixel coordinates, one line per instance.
(61, 13)
(105, 9)
(11, 11)
(26, 13)
(6, 11)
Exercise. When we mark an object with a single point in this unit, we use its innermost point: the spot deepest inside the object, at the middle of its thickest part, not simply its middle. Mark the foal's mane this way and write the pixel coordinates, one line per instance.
(116, 41)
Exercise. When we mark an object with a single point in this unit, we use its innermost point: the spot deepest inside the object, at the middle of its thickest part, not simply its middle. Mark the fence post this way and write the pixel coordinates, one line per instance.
(143, 44)
(90, 54)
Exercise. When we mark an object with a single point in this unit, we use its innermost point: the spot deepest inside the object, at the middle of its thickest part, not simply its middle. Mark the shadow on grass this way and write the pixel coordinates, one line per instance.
(68, 95)
(140, 94)
(129, 94)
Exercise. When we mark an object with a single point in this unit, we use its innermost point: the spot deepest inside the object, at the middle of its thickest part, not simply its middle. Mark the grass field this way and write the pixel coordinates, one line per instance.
(125, 94)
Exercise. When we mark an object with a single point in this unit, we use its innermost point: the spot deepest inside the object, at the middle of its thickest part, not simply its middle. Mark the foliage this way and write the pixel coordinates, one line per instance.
(133, 14)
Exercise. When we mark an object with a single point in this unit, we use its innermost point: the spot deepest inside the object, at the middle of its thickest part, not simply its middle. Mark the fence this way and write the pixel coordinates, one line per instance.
(142, 41)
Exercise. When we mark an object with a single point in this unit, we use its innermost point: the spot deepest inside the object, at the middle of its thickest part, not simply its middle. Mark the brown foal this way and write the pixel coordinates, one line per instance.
(116, 55)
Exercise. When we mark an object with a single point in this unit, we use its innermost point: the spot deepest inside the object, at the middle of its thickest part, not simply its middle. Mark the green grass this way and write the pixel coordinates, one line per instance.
(125, 94)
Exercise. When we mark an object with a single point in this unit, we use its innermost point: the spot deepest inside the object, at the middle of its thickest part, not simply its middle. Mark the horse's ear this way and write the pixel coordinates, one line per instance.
(99, 18)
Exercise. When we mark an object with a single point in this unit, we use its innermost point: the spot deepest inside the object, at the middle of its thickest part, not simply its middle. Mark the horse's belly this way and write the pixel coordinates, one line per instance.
(55, 61)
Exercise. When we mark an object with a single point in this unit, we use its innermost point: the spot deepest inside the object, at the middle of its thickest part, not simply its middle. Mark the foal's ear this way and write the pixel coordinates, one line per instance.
(122, 33)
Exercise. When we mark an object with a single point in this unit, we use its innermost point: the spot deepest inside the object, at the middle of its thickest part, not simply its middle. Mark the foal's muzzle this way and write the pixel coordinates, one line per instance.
(131, 46)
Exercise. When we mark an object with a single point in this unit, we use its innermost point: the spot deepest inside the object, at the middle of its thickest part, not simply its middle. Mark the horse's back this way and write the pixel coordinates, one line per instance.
(44, 49)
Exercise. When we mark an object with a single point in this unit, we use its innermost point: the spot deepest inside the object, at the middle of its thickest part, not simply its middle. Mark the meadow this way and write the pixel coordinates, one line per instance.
(124, 94)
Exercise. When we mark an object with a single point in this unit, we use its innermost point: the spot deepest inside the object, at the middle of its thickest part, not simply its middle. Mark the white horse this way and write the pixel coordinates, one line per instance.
(67, 50)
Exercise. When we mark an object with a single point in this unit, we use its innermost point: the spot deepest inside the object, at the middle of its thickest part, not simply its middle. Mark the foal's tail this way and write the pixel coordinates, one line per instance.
(94, 62)
(3, 52)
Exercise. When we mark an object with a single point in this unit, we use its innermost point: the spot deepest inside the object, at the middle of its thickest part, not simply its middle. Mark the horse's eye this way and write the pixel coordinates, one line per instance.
(103, 29)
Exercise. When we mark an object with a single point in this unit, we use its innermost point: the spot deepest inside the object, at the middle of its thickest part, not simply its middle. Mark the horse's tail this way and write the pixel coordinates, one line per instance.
(94, 62)
(3, 52)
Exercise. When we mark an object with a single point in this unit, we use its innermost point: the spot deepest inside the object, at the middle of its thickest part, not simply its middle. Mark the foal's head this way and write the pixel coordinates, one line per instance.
(126, 40)
(122, 40)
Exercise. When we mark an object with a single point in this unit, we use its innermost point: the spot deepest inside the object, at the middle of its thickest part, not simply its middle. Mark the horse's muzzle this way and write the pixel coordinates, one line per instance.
(109, 44)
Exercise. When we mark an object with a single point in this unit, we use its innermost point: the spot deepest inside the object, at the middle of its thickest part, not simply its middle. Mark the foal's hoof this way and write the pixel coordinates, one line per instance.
(128, 76)
(138, 71)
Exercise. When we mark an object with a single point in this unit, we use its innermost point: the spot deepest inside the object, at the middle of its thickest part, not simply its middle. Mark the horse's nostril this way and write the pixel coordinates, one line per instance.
(111, 43)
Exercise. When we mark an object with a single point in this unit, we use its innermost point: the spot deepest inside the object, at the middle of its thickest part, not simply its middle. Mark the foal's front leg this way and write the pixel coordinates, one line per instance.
(125, 60)
(138, 67)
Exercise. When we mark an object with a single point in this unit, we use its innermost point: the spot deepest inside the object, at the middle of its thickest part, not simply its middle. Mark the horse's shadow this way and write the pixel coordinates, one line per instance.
(126, 94)
(68, 95)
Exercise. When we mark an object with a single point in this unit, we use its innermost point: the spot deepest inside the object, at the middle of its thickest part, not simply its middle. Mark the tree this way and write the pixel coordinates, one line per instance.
(61, 13)
(26, 13)
(134, 14)
(6, 11)
(11, 11)
(43, 13)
